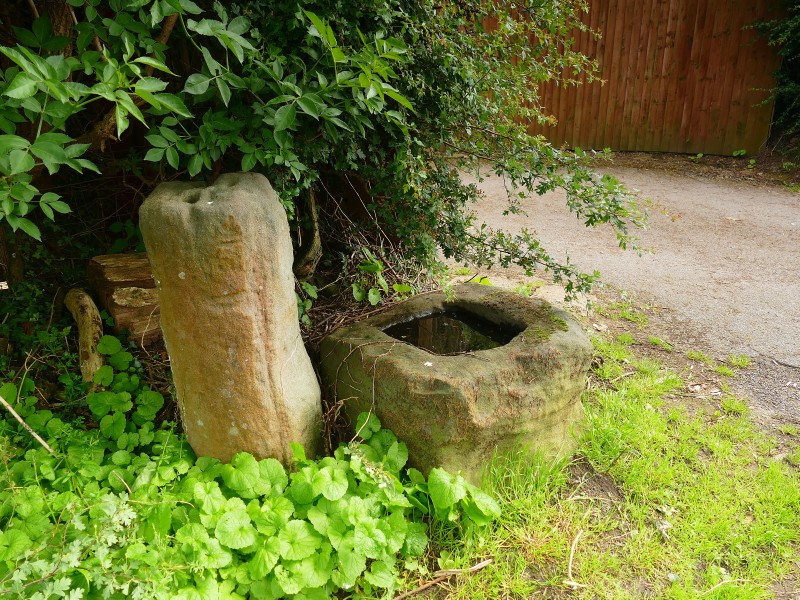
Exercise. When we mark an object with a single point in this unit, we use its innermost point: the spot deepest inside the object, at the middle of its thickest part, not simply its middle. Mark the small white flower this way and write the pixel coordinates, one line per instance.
(428, 364)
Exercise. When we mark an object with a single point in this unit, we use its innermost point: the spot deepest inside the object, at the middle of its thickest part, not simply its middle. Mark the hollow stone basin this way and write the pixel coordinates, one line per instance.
(454, 403)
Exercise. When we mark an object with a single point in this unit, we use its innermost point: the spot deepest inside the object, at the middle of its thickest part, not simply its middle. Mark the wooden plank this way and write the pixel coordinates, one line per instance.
(633, 76)
(761, 64)
(709, 141)
(576, 114)
(697, 110)
(637, 83)
(693, 67)
(731, 34)
(582, 130)
(643, 128)
(735, 132)
(677, 74)
(663, 54)
(618, 73)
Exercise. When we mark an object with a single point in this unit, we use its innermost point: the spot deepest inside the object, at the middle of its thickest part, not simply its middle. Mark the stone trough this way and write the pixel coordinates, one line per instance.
(461, 378)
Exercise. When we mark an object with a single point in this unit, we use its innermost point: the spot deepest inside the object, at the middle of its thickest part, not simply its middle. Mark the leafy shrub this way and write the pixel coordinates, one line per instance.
(784, 32)
(392, 97)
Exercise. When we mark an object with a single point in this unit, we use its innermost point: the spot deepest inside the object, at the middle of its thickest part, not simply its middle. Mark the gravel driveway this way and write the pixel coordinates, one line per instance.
(724, 262)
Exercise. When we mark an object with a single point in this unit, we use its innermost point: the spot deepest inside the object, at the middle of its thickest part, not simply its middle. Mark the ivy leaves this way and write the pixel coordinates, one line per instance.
(234, 529)
(329, 524)
(249, 478)
(298, 540)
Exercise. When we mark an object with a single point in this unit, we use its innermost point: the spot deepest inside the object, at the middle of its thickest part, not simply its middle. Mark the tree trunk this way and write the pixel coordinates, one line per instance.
(60, 13)
(12, 267)
(310, 251)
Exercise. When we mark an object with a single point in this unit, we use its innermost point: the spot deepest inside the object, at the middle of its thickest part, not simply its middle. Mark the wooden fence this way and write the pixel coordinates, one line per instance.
(679, 76)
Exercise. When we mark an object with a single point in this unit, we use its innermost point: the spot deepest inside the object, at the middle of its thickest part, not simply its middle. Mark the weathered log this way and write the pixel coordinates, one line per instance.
(136, 311)
(90, 330)
(125, 287)
(112, 271)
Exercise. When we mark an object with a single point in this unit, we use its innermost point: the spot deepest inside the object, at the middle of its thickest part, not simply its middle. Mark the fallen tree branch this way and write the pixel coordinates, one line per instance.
(444, 576)
(166, 31)
(33, 8)
(310, 252)
(90, 330)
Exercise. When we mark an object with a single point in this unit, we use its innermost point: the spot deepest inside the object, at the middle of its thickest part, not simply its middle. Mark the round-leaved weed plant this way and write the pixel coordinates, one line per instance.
(126, 510)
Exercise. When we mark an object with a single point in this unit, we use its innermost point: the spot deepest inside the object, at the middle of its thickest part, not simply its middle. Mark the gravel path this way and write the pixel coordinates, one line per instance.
(724, 265)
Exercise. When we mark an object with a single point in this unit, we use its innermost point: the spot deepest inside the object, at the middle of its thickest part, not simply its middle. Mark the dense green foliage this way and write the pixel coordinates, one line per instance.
(399, 94)
(784, 33)
(125, 510)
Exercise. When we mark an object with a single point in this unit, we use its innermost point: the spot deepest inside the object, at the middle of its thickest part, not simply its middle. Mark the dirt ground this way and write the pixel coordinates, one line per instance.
(721, 274)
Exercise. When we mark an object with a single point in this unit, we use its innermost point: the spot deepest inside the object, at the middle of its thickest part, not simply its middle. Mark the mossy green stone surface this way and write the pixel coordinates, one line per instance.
(456, 411)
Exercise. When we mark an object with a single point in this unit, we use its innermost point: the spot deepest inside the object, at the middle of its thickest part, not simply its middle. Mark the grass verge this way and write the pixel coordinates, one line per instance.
(659, 502)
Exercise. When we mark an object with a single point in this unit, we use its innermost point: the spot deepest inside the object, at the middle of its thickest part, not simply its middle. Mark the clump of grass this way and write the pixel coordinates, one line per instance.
(659, 343)
(724, 370)
(739, 361)
(527, 289)
(461, 271)
(625, 311)
(699, 356)
(789, 429)
(626, 339)
(659, 502)
(733, 406)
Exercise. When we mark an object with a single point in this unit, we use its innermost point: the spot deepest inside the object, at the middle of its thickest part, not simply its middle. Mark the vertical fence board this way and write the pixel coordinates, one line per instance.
(722, 111)
(679, 76)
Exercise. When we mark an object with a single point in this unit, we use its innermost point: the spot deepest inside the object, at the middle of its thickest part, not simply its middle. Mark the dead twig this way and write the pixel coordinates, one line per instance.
(125, 483)
(721, 583)
(441, 576)
(623, 376)
(33, 8)
(569, 580)
(22, 422)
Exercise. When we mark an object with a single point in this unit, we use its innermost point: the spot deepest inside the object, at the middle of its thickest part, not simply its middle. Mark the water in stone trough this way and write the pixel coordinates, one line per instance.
(452, 332)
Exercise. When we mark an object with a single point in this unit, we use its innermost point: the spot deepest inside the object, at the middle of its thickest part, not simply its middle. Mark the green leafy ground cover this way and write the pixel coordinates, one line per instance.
(125, 509)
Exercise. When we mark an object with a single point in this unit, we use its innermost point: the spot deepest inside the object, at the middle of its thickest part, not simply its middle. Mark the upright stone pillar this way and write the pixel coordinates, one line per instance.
(222, 261)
